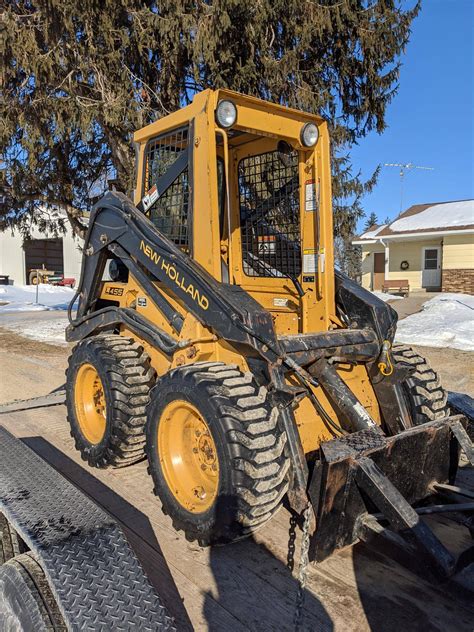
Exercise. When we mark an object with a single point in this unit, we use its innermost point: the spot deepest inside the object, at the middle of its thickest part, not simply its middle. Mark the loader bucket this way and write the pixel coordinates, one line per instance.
(365, 480)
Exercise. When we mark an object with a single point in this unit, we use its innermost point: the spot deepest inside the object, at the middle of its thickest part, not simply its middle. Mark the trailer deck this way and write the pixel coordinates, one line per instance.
(92, 571)
(246, 585)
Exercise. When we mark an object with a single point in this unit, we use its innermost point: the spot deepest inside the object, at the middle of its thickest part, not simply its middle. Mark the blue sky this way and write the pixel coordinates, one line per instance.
(430, 120)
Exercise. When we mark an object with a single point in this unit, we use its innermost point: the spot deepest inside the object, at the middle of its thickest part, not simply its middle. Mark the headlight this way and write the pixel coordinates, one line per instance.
(309, 135)
(226, 113)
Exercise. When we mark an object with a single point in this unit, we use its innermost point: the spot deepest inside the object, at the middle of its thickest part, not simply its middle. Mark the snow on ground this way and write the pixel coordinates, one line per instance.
(386, 297)
(51, 331)
(22, 298)
(447, 320)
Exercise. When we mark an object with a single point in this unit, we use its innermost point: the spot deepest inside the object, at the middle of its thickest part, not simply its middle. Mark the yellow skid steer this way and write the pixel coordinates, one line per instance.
(217, 340)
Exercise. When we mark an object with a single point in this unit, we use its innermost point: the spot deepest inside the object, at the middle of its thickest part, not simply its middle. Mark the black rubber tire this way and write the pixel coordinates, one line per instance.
(26, 600)
(250, 443)
(127, 377)
(426, 398)
(10, 542)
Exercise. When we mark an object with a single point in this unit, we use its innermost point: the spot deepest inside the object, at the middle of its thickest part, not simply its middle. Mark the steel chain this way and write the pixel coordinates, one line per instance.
(304, 561)
(290, 560)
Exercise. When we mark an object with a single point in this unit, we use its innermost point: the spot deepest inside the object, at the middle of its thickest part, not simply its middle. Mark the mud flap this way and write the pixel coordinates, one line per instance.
(364, 481)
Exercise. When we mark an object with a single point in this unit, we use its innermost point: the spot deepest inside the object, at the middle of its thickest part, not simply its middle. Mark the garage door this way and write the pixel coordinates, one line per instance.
(47, 252)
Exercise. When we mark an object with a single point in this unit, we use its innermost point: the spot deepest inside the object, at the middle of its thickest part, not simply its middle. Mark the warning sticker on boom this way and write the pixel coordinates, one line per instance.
(310, 260)
(311, 202)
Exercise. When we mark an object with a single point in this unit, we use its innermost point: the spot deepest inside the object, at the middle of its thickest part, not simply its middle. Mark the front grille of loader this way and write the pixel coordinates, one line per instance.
(270, 215)
(170, 212)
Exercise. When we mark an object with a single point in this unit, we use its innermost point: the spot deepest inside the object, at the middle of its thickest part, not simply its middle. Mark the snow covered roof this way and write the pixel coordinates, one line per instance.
(437, 217)
(372, 232)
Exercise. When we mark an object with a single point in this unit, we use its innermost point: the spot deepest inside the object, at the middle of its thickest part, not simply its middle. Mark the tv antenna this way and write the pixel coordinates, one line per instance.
(404, 167)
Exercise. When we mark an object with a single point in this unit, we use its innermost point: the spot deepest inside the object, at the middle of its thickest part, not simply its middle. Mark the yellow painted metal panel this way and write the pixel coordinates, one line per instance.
(175, 119)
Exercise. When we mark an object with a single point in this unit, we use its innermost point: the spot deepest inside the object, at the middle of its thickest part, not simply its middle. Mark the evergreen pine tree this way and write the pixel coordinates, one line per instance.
(80, 77)
(371, 221)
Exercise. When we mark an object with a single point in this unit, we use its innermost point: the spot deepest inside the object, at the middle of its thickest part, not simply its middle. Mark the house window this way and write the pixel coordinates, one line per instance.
(431, 259)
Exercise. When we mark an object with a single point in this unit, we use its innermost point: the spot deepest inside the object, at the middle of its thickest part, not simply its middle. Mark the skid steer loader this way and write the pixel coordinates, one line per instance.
(216, 339)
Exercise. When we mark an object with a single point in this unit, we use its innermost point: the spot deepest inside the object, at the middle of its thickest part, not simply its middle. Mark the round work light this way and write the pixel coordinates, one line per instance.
(226, 113)
(309, 134)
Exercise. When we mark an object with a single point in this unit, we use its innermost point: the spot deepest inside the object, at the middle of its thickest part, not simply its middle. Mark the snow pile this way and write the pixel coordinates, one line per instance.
(51, 330)
(447, 320)
(451, 214)
(386, 297)
(22, 298)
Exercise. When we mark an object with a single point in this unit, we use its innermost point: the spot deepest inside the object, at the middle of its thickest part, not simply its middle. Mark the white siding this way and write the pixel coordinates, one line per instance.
(12, 255)
(72, 256)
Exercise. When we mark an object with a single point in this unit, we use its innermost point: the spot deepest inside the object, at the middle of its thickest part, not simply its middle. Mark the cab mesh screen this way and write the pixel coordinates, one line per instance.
(270, 215)
(170, 212)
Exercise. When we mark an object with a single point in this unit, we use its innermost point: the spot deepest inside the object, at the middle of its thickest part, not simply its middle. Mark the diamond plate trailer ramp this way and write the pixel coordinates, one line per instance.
(94, 575)
(55, 398)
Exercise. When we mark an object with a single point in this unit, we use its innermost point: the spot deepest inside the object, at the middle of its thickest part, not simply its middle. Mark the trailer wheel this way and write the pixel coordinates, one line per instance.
(26, 600)
(10, 542)
(426, 397)
(108, 384)
(216, 452)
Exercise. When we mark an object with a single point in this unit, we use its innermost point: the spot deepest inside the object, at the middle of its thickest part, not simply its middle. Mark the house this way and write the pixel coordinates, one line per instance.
(429, 245)
(62, 254)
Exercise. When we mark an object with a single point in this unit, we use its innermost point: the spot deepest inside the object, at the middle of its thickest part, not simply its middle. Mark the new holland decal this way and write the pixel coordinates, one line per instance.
(175, 276)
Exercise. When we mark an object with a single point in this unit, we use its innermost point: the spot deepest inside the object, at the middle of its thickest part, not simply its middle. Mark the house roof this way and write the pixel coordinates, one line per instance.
(373, 231)
(437, 217)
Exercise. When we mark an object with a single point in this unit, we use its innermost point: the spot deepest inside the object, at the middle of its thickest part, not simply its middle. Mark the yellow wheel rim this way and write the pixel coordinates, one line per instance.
(188, 456)
(90, 404)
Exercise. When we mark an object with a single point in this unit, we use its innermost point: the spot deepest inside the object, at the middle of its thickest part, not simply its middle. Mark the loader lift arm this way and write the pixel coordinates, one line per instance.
(119, 227)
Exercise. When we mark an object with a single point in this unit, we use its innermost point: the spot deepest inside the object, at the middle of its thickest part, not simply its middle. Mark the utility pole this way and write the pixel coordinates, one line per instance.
(403, 169)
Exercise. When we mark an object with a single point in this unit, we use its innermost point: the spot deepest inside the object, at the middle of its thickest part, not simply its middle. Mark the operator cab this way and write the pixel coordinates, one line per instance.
(251, 179)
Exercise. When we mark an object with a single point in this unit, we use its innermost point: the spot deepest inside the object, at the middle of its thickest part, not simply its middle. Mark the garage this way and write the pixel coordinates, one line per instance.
(47, 253)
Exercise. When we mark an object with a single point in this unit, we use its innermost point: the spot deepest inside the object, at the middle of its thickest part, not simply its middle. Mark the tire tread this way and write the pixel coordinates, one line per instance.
(260, 467)
(131, 377)
(428, 397)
